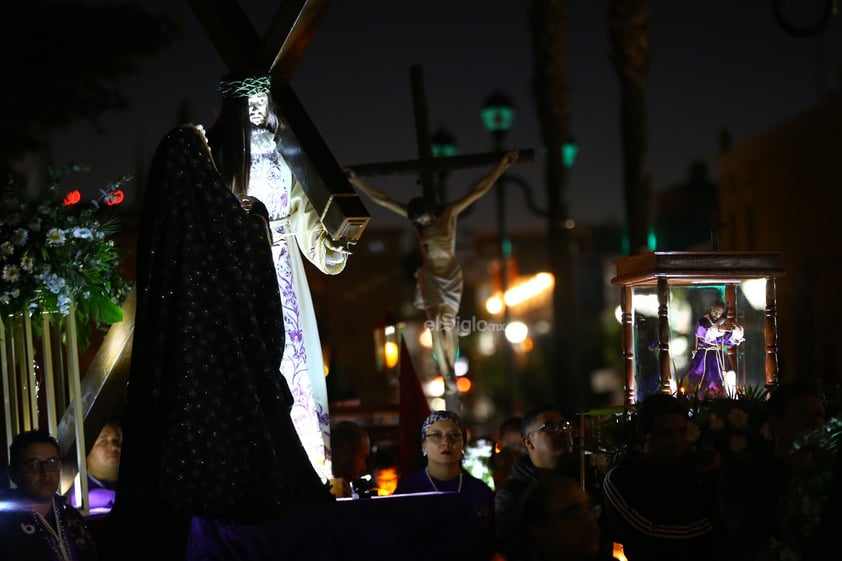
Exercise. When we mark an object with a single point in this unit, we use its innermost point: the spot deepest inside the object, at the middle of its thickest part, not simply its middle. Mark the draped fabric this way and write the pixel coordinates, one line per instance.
(208, 430)
(296, 231)
(710, 361)
(439, 279)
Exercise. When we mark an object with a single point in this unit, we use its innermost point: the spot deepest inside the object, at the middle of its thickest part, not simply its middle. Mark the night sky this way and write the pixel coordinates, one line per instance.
(714, 64)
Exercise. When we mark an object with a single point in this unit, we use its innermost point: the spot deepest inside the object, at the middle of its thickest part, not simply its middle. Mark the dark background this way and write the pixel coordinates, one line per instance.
(714, 65)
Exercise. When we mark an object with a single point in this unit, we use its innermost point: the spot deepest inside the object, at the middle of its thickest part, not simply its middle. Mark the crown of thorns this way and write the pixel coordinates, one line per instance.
(246, 87)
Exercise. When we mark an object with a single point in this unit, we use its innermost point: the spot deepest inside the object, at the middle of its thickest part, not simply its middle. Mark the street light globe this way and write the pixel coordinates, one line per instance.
(444, 143)
(516, 332)
(569, 150)
(498, 113)
(494, 305)
(435, 387)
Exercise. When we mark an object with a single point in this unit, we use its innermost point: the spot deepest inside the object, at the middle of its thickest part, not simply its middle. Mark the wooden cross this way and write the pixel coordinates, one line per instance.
(279, 52)
(426, 165)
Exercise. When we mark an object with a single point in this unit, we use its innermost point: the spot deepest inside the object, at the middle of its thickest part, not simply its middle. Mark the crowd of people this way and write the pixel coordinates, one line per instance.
(661, 500)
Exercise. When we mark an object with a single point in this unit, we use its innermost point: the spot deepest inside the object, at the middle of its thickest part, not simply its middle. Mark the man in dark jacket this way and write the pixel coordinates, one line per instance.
(549, 445)
(660, 503)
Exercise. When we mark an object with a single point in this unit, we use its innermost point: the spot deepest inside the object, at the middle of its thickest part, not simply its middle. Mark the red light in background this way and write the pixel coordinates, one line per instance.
(72, 198)
(115, 198)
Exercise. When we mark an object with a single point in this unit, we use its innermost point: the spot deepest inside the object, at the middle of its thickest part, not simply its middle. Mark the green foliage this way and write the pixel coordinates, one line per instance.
(55, 252)
(806, 497)
(62, 61)
(731, 427)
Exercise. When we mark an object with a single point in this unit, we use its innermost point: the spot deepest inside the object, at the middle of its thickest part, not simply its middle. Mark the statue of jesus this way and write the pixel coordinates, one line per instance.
(439, 278)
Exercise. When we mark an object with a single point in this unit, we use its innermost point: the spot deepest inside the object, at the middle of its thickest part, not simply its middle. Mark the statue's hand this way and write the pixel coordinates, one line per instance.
(343, 247)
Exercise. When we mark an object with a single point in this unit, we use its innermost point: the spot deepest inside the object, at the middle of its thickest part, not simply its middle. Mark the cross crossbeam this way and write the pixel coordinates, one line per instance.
(426, 165)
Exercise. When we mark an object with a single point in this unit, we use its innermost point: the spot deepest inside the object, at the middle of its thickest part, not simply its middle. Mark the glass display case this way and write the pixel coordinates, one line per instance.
(673, 336)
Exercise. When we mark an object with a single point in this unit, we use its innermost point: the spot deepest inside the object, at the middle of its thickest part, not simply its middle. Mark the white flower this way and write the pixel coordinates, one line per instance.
(11, 273)
(55, 237)
(20, 236)
(738, 418)
(6, 248)
(693, 432)
(27, 263)
(82, 233)
(737, 442)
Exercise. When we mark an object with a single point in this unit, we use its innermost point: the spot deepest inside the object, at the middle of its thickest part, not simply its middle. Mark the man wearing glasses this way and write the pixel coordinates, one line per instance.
(35, 523)
(548, 441)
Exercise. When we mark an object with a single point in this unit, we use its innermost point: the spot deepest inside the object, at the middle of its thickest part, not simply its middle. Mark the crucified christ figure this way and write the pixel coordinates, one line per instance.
(439, 278)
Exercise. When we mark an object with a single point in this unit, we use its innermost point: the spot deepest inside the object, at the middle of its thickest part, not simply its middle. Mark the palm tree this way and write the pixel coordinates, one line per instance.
(551, 88)
(628, 21)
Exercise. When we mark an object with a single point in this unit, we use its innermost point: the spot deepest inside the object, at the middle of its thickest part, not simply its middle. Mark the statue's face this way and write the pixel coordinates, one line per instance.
(258, 109)
(424, 220)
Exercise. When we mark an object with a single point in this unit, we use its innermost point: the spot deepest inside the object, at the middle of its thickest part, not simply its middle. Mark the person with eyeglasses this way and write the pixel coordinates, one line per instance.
(443, 438)
(548, 439)
(37, 524)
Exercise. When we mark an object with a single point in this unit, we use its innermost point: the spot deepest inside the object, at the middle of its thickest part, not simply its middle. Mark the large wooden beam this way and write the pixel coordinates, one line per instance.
(325, 184)
(441, 163)
(230, 31)
(289, 34)
(422, 131)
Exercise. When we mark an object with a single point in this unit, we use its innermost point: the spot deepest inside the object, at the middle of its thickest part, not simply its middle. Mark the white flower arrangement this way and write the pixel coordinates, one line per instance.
(54, 252)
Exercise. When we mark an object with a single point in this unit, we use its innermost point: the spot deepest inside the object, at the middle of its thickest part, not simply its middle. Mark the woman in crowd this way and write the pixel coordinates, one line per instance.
(443, 438)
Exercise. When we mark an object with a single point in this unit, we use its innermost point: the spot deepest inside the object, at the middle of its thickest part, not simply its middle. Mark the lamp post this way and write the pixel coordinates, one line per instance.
(444, 145)
(498, 113)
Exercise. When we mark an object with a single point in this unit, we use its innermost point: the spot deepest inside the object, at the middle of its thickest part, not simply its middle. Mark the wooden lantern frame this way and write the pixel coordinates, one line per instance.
(664, 270)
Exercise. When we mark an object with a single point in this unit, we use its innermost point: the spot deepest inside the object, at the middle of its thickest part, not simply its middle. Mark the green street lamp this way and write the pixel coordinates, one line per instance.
(569, 150)
(498, 113)
(444, 143)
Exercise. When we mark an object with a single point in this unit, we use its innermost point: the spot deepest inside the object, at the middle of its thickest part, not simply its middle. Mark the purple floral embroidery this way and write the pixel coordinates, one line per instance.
(270, 181)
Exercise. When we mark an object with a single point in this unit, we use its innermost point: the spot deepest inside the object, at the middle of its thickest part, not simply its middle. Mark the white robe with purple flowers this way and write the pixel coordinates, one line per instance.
(296, 229)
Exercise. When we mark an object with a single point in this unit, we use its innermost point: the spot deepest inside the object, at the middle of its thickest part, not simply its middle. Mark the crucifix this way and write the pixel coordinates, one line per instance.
(439, 279)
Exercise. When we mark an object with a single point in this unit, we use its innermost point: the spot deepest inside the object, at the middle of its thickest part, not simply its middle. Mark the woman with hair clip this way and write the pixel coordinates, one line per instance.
(443, 441)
